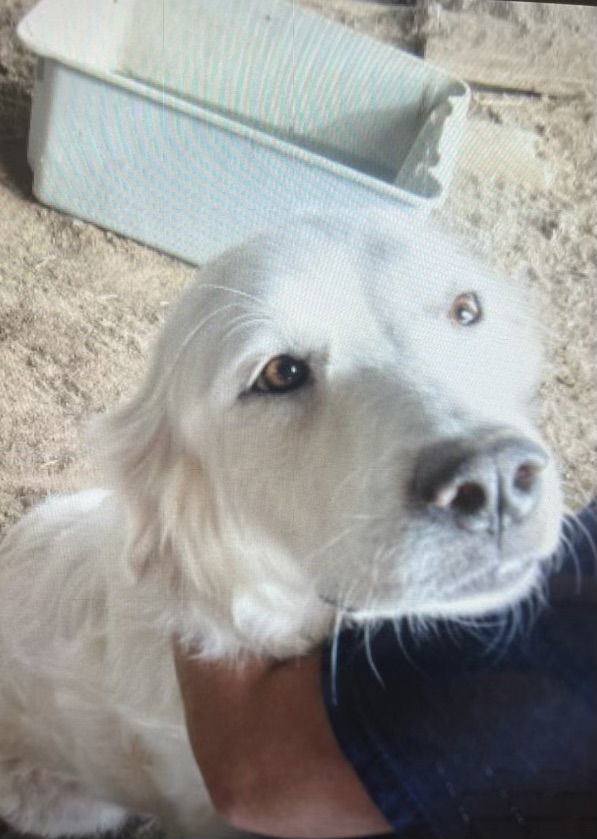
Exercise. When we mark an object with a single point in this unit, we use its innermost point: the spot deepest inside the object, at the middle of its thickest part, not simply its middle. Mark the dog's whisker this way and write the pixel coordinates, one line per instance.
(358, 473)
(369, 655)
(365, 516)
(567, 550)
(261, 304)
(322, 549)
(334, 654)
(576, 524)
(237, 292)
(247, 322)
(397, 625)
(196, 329)
(506, 623)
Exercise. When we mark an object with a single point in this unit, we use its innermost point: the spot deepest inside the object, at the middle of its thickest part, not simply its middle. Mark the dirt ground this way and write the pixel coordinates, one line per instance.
(79, 305)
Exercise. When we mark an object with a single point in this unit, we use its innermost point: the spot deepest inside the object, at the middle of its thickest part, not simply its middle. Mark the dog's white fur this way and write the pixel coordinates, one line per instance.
(239, 518)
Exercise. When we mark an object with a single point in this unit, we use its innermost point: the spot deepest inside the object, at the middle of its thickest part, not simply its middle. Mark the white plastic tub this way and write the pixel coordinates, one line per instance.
(190, 124)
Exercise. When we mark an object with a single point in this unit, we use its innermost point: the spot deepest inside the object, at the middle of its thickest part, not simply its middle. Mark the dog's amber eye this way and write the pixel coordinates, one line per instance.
(281, 374)
(466, 309)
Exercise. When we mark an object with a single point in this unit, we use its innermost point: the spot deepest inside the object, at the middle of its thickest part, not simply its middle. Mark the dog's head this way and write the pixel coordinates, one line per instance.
(340, 416)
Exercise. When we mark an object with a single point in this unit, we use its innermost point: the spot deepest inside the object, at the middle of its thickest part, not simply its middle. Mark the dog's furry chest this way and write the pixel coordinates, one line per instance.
(88, 688)
(85, 690)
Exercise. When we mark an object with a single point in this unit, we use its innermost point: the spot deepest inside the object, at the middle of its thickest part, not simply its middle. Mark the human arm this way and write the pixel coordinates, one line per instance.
(267, 753)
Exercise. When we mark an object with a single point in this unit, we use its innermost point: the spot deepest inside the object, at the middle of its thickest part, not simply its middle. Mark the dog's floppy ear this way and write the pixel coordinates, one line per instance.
(131, 445)
(142, 458)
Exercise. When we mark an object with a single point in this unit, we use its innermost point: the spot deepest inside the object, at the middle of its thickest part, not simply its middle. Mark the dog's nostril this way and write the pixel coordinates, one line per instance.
(525, 477)
(469, 499)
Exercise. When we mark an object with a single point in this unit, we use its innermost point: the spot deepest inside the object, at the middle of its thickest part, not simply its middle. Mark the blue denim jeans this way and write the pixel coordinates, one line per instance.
(484, 733)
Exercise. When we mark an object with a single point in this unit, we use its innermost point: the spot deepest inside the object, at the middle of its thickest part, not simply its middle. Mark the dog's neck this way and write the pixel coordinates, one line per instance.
(226, 616)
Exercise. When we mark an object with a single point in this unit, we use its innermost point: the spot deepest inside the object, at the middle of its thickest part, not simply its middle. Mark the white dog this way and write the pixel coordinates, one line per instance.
(337, 423)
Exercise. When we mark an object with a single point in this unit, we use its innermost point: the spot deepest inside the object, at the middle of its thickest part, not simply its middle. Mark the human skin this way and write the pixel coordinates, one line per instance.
(260, 735)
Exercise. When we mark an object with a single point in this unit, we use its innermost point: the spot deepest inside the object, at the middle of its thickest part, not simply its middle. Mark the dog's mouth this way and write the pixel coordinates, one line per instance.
(483, 591)
(487, 590)
(335, 603)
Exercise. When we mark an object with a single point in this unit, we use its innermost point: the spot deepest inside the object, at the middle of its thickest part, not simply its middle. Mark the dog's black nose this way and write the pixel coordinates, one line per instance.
(483, 487)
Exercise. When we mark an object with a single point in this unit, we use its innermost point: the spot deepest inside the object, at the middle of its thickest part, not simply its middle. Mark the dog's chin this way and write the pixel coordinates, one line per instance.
(510, 585)
(482, 594)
